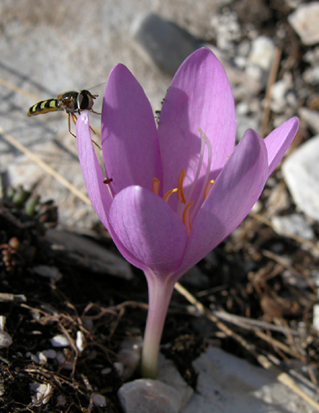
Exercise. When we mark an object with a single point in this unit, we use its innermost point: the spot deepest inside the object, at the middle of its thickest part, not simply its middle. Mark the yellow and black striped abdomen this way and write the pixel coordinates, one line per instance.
(49, 105)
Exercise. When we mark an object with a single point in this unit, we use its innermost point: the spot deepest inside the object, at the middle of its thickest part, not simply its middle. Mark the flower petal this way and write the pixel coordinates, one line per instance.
(232, 196)
(199, 96)
(93, 176)
(148, 229)
(278, 141)
(129, 134)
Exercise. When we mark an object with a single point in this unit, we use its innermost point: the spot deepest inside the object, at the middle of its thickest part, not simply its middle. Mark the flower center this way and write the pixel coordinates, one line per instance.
(191, 198)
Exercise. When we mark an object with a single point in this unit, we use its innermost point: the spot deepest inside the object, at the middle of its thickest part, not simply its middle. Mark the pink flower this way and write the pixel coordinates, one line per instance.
(180, 189)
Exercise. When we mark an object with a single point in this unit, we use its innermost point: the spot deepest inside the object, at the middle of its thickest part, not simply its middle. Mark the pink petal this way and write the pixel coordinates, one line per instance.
(232, 196)
(278, 141)
(147, 230)
(199, 96)
(93, 176)
(129, 134)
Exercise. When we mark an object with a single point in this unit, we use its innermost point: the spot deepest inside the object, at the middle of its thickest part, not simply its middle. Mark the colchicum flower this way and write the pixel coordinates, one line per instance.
(180, 189)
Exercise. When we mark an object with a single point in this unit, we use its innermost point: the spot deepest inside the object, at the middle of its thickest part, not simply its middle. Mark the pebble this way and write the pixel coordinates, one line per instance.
(227, 30)
(48, 271)
(301, 173)
(43, 391)
(279, 91)
(50, 354)
(311, 76)
(311, 117)
(130, 355)
(294, 223)
(60, 341)
(169, 393)
(99, 400)
(262, 52)
(162, 42)
(315, 319)
(80, 341)
(5, 338)
(304, 21)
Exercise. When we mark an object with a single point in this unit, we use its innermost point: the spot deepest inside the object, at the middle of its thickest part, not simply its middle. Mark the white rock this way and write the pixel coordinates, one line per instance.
(227, 384)
(42, 357)
(5, 339)
(311, 117)
(311, 76)
(99, 400)
(305, 22)
(169, 393)
(80, 341)
(279, 92)
(301, 173)
(294, 223)
(60, 341)
(43, 391)
(262, 52)
(315, 320)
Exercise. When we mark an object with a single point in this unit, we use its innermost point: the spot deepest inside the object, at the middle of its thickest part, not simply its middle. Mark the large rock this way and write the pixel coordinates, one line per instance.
(305, 22)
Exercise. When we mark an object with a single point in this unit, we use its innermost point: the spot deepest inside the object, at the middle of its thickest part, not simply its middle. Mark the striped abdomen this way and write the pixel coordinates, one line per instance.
(49, 105)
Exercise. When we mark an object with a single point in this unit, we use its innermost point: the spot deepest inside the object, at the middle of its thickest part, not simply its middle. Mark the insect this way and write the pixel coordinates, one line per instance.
(72, 102)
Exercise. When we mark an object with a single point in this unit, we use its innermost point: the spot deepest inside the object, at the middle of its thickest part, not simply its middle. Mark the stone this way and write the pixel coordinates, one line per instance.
(304, 20)
(163, 42)
(60, 341)
(301, 173)
(99, 400)
(228, 384)
(90, 254)
(311, 117)
(262, 52)
(169, 393)
(294, 223)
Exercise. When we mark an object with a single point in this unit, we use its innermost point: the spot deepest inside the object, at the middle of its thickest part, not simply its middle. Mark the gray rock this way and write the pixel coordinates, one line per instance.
(279, 93)
(301, 173)
(305, 22)
(294, 223)
(169, 393)
(90, 254)
(311, 76)
(227, 384)
(163, 42)
(99, 400)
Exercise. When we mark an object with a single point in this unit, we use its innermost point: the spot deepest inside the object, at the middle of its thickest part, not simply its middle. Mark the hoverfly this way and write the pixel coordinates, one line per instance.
(72, 102)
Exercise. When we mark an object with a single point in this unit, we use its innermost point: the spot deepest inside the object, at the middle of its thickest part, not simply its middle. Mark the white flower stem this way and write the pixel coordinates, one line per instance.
(160, 292)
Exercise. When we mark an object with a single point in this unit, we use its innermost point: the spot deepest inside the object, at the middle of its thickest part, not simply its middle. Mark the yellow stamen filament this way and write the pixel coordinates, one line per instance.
(180, 194)
(208, 187)
(156, 186)
(187, 218)
(169, 193)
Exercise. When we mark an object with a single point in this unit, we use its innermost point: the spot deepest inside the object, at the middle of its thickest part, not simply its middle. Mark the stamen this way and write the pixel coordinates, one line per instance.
(208, 166)
(208, 187)
(156, 186)
(180, 194)
(187, 218)
(199, 166)
(169, 193)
